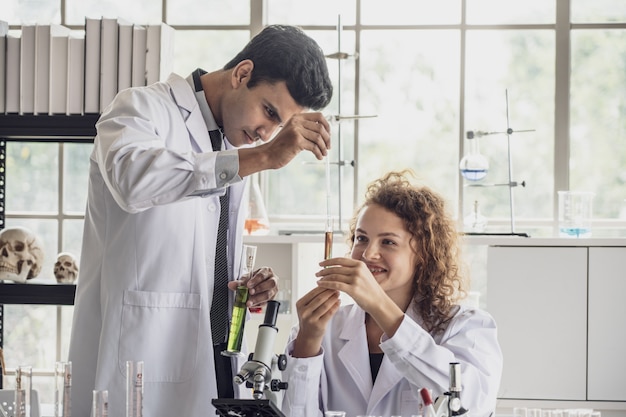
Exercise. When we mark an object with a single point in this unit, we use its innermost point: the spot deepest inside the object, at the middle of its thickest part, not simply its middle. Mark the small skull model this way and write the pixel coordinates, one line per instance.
(21, 254)
(66, 268)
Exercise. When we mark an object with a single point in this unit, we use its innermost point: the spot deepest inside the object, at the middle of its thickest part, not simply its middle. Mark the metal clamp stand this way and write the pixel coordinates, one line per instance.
(511, 184)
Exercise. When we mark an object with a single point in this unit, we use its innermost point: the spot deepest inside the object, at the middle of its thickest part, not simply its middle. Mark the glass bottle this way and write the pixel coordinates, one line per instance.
(475, 222)
(257, 222)
(474, 166)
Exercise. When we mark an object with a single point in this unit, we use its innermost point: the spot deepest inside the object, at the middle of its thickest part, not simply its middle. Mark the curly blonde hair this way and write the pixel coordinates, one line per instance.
(438, 282)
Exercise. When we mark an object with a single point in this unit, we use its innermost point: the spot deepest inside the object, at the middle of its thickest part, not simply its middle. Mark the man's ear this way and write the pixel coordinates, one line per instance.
(241, 73)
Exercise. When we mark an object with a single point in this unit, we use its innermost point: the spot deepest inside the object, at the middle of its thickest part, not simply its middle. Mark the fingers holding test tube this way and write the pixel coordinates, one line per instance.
(262, 286)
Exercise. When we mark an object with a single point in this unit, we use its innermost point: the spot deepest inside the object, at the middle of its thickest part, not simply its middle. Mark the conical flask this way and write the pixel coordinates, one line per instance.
(257, 222)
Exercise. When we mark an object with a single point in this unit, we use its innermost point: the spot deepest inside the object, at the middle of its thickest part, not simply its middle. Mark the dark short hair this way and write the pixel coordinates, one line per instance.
(286, 53)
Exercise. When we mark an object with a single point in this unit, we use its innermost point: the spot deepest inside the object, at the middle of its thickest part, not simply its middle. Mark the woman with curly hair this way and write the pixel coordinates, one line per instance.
(406, 325)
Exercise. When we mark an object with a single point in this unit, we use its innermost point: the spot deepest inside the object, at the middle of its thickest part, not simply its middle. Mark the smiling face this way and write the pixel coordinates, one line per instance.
(250, 114)
(383, 243)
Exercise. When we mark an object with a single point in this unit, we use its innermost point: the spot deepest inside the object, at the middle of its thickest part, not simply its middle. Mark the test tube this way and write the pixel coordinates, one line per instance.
(328, 234)
(100, 403)
(63, 389)
(134, 389)
(235, 334)
(23, 390)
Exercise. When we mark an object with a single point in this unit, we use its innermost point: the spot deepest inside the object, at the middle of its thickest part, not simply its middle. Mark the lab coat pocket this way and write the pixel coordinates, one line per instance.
(160, 329)
(410, 403)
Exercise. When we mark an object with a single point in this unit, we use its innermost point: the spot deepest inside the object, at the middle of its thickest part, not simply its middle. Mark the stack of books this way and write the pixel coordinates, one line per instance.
(50, 69)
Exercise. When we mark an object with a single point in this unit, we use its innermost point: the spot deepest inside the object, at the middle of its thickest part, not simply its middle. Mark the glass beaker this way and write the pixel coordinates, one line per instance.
(575, 212)
(257, 222)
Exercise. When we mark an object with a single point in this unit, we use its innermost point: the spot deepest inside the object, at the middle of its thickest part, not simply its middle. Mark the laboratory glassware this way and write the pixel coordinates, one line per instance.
(575, 212)
(474, 166)
(63, 389)
(100, 403)
(236, 332)
(23, 390)
(134, 388)
(257, 222)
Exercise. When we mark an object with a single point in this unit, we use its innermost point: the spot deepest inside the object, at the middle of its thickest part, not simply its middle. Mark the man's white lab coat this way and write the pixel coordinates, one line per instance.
(146, 272)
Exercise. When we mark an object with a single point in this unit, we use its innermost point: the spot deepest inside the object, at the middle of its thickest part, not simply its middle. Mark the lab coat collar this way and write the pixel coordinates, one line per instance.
(355, 351)
(185, 98)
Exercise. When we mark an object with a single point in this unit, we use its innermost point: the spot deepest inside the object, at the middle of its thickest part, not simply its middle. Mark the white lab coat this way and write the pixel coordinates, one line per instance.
(339, 378)
(146, 272)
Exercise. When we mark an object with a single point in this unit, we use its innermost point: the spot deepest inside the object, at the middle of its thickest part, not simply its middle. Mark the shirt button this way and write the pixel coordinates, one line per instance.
(301, 368)
(211, 207)
(223, 176)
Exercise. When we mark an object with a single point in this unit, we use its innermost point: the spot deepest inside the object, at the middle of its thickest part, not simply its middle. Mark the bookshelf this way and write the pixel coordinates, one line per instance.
(56, 128)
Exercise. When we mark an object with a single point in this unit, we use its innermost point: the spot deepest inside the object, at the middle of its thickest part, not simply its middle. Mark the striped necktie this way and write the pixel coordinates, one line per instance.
(219, 306)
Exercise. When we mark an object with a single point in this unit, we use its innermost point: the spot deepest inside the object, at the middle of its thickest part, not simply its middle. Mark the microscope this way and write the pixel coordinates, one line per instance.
(261, 372)
(449, 403)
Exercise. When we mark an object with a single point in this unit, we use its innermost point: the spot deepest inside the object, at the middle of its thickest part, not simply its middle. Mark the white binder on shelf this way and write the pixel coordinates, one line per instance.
(138, 78)
(59, 39)
(75, 74)
(12, 102)
(125, 54)
(42, 69)
(108, 61)
(159, 52)
(4, 30)
(92, 65)
(27, 69)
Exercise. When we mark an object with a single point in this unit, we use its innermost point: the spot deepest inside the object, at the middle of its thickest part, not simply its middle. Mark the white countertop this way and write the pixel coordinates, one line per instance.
(540, 241)
(470, 240)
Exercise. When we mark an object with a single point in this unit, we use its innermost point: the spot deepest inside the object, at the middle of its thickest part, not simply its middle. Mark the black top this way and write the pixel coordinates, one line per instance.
(375, 361)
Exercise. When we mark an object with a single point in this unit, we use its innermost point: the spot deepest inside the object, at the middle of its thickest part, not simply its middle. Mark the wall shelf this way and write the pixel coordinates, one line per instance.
(55, 128)
(38, 128)
(48, 294)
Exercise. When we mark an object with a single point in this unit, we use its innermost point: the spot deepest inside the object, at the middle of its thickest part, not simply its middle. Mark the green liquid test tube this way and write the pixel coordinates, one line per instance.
(235, 335)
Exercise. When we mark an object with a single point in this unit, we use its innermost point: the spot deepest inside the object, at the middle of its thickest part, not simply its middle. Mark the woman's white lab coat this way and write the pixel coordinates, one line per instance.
(339, 378)
(146, 272)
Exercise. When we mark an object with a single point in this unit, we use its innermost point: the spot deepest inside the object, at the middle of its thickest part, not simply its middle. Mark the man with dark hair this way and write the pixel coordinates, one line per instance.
(164, 213)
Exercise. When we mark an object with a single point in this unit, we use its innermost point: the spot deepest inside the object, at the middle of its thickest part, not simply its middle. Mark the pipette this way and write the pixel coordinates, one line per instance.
(328, 231)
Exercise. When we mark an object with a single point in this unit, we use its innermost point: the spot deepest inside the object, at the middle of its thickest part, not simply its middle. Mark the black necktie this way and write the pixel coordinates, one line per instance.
(219, 307)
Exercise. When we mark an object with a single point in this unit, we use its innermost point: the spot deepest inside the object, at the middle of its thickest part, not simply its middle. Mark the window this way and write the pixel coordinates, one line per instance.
(46, 192)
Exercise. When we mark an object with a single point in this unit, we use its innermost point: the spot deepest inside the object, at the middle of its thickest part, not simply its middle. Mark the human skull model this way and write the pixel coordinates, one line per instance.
(21, 254)
(66, 268)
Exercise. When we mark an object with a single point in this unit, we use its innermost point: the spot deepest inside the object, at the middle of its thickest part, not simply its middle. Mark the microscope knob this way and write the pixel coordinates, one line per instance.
(277, 385)
(282, 362)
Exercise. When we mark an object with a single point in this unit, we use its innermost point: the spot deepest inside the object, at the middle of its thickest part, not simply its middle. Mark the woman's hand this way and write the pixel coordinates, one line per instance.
(315, 309)
(352, 277)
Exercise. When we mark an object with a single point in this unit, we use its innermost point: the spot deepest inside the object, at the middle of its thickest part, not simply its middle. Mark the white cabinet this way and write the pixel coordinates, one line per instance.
(607, 324)
(560, 313)
(538, 297)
